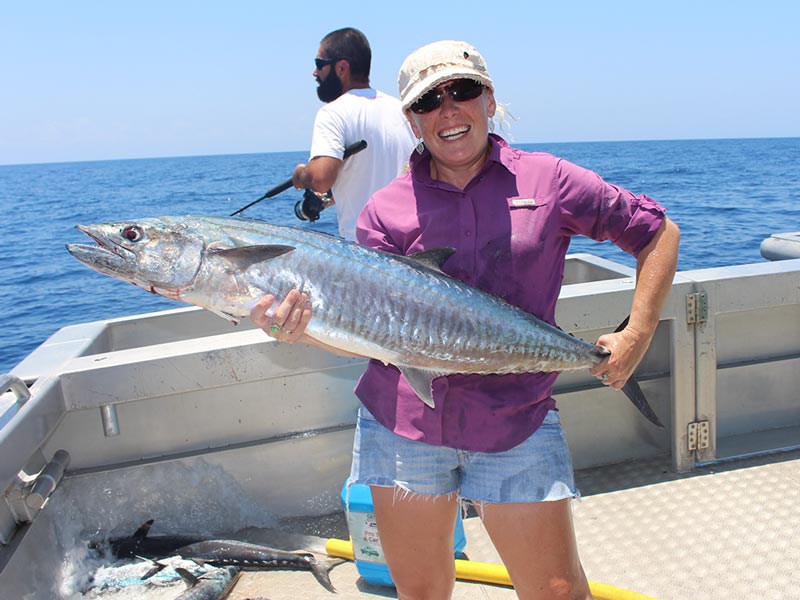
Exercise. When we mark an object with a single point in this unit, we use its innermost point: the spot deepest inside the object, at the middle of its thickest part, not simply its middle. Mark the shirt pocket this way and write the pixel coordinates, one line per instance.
(528, 216)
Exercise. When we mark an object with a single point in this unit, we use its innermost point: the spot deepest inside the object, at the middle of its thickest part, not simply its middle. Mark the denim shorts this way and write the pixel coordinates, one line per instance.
(538, 469)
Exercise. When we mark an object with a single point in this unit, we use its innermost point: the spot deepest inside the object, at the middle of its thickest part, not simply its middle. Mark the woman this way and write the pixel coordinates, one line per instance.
(494, 441)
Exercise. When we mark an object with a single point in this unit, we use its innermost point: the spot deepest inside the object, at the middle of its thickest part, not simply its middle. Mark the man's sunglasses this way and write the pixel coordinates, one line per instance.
(323, 62)
(459, 90)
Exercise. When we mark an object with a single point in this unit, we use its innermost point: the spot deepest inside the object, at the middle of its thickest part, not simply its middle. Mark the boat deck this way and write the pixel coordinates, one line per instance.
(730, 531)
(173, 416)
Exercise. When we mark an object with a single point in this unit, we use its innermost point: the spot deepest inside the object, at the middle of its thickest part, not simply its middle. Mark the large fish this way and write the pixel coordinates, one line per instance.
(400, 310)
(218, 552)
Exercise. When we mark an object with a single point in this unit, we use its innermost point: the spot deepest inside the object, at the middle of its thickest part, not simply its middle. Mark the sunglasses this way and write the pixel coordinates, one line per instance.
(459, 90)
(323, 62)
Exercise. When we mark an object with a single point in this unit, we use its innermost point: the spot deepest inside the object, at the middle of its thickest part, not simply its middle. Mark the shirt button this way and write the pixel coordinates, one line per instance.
(468, 233)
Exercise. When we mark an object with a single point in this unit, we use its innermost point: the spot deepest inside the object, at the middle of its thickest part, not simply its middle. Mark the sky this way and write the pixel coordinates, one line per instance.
(96, 80)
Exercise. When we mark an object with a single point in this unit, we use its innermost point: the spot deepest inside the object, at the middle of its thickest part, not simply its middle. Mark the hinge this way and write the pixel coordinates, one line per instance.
(698, 435)
(697, 307)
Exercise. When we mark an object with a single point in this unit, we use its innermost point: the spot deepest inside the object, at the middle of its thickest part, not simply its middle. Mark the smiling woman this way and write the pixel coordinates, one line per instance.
(496, 443)
(448, 97)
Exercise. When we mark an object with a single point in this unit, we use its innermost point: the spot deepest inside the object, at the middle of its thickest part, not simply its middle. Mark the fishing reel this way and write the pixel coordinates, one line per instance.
(312, 204)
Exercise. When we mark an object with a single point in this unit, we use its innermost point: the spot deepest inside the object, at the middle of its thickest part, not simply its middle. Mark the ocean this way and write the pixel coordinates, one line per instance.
(726, 195)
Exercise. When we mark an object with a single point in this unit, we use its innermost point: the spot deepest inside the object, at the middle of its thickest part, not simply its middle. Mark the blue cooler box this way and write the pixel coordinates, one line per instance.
(363, 530)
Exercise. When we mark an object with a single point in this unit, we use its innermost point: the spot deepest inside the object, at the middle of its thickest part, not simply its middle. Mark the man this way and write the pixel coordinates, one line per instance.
(353, 112)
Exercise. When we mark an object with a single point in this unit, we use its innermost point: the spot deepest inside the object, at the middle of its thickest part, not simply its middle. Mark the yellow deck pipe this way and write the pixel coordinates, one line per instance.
(490, 573)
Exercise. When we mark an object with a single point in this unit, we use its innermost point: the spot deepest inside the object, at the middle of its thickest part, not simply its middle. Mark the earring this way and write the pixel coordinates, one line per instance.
(420, 147)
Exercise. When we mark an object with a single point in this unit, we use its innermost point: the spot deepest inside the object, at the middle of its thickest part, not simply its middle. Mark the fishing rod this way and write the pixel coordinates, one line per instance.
(348, 152)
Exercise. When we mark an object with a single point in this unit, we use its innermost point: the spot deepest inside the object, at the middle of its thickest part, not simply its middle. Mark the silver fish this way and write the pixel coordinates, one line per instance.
(216, 552)
(256, 557)
(401, 310)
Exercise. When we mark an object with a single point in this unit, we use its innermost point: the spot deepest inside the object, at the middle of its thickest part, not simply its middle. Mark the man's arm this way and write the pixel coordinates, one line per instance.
(319, 174)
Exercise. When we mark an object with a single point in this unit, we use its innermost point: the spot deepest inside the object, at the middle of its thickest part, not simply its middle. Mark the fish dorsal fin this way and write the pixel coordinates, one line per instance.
(245, 256)
(143, 530)
(433, 258)
(421, 381)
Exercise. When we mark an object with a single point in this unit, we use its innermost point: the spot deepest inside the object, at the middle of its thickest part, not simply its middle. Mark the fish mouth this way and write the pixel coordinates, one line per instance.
(103, 241)
(107, 256)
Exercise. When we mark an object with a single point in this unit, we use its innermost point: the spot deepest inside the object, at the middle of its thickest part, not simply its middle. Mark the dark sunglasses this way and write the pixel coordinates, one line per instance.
(459, 90)
(323, 62)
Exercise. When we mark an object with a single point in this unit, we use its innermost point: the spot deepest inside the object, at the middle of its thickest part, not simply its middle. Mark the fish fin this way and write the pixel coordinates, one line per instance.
(421, 381)
(226, 316)
(143, 530)
(201, 562)
(157, 567)
(634, 393)
(433, 258)
(622, 325)
(321, 570)
(188, 578)
(245, 256)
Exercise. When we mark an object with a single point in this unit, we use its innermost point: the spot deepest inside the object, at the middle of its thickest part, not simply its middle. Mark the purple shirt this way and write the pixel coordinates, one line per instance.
(511, 229)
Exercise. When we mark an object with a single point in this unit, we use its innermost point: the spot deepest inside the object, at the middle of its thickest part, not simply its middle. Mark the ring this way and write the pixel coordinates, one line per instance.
(605, 376)
(274, 328)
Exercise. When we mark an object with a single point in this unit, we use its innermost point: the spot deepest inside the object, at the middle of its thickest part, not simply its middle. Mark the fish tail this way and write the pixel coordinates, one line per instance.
(321, 571)
(634, 393)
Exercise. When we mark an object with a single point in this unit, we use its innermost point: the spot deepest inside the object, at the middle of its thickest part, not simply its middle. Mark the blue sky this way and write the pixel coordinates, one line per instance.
(89, 80)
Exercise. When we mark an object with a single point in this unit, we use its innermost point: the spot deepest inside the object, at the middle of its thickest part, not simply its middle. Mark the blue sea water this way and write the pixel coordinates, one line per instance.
(726, 196)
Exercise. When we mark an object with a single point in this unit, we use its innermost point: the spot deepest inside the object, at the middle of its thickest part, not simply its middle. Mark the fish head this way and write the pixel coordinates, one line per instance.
(158, 255)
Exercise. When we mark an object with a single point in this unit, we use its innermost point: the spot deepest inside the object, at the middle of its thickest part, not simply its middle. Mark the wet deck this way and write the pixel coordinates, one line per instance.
(729, 531)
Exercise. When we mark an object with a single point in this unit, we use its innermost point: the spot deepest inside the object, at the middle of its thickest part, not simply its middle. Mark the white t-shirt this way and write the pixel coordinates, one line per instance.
(362, 114)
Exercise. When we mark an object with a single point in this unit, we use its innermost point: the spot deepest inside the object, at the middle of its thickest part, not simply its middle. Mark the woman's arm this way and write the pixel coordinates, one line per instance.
(655, 269)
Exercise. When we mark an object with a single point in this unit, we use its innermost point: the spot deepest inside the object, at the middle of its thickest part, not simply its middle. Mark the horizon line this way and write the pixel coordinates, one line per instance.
(180, 156)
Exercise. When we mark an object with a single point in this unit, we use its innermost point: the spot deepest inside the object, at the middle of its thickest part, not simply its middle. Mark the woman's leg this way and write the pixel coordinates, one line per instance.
(417, 540)
(536, 542)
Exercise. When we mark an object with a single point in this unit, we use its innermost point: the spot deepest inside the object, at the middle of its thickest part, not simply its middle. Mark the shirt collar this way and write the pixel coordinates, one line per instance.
(499, 152)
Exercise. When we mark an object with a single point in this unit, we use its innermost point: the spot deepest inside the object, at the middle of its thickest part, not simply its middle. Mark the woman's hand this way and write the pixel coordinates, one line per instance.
(627, 351)
(288, 322)
(655, 268)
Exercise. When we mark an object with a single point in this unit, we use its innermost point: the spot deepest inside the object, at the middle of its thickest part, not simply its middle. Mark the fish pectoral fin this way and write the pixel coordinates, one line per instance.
(245, 256)
(433, 258)
(421, 381)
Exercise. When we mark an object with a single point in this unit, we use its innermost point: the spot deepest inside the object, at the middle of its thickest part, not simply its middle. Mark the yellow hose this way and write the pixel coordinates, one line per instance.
(489, 573)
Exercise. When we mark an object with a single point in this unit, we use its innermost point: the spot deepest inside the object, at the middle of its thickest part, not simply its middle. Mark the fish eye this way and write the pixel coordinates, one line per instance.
(132, 233)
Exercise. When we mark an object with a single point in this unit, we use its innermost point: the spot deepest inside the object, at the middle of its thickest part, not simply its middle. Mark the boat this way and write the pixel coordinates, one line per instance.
(781, 246)
(211, 429)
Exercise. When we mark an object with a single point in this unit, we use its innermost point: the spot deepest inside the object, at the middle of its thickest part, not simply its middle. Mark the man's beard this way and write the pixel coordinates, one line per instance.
(330, 88)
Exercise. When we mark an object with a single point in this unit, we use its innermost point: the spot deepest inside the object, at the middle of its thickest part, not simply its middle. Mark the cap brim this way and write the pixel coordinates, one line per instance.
(420, 88)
